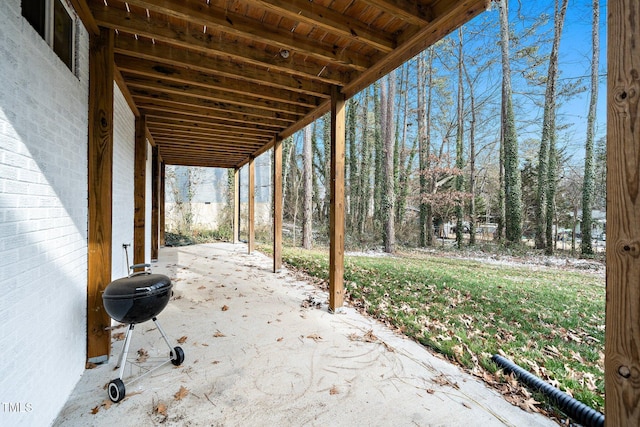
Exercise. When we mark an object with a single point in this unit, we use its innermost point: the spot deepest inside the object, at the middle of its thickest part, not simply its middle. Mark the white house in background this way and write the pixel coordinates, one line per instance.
(44, 102)
(208, 194)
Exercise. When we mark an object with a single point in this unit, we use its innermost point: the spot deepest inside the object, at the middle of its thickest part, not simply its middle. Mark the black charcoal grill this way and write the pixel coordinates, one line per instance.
(135, 299)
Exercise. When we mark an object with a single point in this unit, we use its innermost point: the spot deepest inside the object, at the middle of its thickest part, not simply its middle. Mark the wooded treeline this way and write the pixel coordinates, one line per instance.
(476, 138)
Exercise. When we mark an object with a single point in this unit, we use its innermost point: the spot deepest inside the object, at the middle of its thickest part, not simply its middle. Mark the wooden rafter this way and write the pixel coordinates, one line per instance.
(262, 69)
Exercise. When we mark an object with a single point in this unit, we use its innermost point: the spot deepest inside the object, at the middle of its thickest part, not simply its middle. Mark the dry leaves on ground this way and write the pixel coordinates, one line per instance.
(334, 390)
(314, 337)
(225, 307)
(161, 409)
(182, 339)
(182, 393)
(106, 404)
(143, 355)
(443, 380)
(218, 334)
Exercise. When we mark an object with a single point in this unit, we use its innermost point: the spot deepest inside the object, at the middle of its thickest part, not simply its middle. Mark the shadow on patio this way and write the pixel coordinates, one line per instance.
(261, 349)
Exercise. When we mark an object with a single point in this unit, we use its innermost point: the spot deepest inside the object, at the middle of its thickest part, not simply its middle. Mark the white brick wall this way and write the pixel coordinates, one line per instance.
(124, 136)
(43, 222)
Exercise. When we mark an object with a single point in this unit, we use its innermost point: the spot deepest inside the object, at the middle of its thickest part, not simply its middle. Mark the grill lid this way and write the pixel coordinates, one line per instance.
(138, 286)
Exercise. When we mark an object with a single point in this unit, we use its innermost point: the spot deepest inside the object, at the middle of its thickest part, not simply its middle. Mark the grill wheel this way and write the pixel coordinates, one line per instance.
(116, 390)
(177, 356)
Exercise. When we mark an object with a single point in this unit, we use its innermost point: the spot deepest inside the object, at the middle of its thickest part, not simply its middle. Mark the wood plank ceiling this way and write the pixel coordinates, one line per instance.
(220, 81)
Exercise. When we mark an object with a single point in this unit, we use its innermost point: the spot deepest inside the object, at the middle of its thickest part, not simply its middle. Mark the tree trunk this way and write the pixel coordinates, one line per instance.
(472, 158)
(406, 156)
(422, 149)
(549, 126)
(307, 209)
(379, 161)
(512, 180)
(459, 143)
(387, 99)
(365, 169)
(588, 186)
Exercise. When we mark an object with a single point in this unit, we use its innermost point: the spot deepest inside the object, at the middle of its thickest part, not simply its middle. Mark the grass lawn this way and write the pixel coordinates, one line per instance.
(547, 320)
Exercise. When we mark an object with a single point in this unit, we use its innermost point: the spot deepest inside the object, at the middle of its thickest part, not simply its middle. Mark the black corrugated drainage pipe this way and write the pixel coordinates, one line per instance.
(575, 409)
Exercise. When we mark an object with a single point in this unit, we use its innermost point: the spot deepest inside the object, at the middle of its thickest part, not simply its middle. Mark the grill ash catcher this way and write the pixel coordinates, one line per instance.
(139, 297)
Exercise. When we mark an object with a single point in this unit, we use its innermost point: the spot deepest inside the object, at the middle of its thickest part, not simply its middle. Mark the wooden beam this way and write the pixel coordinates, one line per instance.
(149, 102)
(180, 74)
(251, 241)
(277, 206)
(236, 206)
(622, 340)
(155, 202)
(212, 93)
(336, 209)
(184, 58)
(178, 99)
(183, 124)
(328, 20)
(232, 138)
(414, 12)
(195, 40)
(139, 190)
(236, 24)
(100, 177)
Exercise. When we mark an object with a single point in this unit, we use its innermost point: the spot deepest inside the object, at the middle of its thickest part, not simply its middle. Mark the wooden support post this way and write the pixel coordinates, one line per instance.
(155, 201)
(236, 206)
(100, 174)
(139, 190)
(163, 220)
(277, 206)
(622, 333)
(251, 241)
(336, 209)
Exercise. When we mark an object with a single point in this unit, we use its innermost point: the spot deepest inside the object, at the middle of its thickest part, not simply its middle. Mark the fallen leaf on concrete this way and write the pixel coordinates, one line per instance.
(90, 365)
(143, 355)
(443, 380)
(225, 307)
(218, 334)
(280, 339)
(182, 339)
(106, 404)
(161, 409)
(202, 287)
(118, 337)
(314, 337)
(181, 394)
(430, 391)
(334, 390)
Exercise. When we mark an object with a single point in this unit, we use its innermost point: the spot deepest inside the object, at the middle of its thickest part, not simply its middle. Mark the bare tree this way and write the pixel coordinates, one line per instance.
(588, 185)
(512, 183)
(549, 127)
(387, 99)
(307, 210)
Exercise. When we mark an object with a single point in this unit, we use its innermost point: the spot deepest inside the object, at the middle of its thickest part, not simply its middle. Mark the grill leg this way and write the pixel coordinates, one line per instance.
(122, 360)
(164, 335)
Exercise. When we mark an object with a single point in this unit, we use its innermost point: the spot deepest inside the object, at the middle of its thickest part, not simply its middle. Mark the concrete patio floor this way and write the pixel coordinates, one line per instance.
(262, 349)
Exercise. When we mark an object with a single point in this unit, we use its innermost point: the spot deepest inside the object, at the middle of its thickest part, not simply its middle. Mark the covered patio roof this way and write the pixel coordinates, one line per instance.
(220, 81)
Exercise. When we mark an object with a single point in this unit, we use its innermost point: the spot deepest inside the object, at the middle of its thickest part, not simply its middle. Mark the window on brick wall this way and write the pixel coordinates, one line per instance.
(55, 24)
